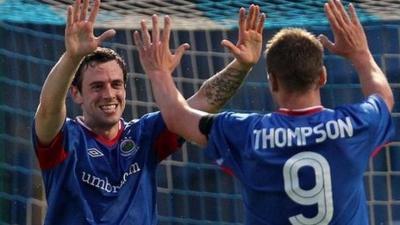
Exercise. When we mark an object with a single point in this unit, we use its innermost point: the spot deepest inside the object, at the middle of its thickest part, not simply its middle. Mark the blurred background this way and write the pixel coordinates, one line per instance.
(191, 189)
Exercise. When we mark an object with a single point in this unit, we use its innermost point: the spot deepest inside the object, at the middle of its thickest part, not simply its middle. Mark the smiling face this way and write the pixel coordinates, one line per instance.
(102, 95)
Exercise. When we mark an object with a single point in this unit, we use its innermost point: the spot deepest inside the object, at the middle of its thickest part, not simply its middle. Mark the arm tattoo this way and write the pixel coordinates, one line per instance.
(219, 88)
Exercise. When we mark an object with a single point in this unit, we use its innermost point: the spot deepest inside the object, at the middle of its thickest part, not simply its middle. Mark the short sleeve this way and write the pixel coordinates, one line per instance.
(53, 154)
(374, 115)
(229, 137)
(164, 142)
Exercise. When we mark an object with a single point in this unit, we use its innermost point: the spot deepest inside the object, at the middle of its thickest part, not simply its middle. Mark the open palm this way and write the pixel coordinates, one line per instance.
(79, 37)
(248, 47)
(349, 36)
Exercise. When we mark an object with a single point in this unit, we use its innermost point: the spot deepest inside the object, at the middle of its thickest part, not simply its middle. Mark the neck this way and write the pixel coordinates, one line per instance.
(296, 100)
(107, 132)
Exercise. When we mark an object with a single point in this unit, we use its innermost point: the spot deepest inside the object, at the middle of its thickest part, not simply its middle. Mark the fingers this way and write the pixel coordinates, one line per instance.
(95, 10)
(154, 52)
(251, 17)
(76, 10)
(145, 34)
(353, 15)
(167, 31)
(341, 22)
(231, 47)
(70, 19)
(337, 14)
(342, 14)
(260, 26)
(138, 40)
(242, 17)
(253, 21)
(144, 40)
(106, 35)
(84, 9)
(331, 17)
(326, 42)
(155, 32)
(228, 44)
(139, 44)
(242, 21)
(181, 50)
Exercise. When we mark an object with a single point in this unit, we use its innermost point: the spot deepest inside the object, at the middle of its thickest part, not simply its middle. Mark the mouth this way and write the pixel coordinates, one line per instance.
(109, 108)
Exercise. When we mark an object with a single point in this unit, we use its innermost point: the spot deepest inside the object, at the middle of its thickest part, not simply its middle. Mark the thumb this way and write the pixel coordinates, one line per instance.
(326, 42)
(231, 47)
(181, 50)
(106, 35)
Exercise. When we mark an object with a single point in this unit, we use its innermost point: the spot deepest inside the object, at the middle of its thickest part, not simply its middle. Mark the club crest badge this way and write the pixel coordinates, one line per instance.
(128, 147)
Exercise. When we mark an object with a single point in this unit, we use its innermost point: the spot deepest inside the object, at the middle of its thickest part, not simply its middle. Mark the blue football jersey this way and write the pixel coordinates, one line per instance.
(302, 167)
(91, 180)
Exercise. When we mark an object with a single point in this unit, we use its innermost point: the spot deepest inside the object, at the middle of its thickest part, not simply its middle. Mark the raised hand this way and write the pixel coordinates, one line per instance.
(247, 50)
(79, 37)
(351, 42)
(349, 37)
(155, 54)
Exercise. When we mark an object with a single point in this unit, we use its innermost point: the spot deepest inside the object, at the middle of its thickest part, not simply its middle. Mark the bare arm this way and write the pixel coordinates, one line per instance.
(351, 43)
(79, 41)
(218, 89)
(179, 117)
(159, 63)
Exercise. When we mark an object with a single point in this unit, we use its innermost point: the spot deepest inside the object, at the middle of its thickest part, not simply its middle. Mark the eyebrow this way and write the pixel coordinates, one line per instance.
(96, 83)
(117, 81)
(102, 82)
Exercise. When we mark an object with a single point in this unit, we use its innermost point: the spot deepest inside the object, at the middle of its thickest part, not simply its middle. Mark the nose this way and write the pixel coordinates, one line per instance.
(108, 92)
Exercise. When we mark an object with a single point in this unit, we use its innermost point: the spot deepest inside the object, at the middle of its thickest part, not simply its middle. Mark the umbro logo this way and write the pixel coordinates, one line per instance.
(93, 152)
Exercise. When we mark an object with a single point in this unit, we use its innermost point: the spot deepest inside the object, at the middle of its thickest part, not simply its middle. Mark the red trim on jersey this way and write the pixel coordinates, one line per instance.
(377, 150)
(227, 170)
(106, 141)
(301, 112)
(166, 144)
(53, 154)
(100, 138)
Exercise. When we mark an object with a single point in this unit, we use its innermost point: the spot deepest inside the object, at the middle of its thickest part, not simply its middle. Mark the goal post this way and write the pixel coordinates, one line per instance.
(191, 189)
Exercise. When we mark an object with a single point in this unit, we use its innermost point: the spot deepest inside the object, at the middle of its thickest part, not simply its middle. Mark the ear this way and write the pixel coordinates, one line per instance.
(322, 77)
(76, 95)
(273, 82)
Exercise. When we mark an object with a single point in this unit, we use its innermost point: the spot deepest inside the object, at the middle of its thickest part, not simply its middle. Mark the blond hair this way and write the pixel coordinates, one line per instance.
(295, 57)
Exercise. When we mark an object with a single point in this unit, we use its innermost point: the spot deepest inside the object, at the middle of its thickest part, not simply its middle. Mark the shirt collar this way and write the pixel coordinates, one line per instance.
(300, 112)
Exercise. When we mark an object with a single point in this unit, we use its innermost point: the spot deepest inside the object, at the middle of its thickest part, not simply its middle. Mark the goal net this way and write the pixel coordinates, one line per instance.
(191, 189)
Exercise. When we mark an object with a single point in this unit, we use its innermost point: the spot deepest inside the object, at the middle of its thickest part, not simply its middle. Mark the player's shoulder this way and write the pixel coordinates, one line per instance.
(73, 123)
(239, 115)
(148, 122)
(371, 104)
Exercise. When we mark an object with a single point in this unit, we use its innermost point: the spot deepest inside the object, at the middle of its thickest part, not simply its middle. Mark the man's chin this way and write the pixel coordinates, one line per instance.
(110, 122)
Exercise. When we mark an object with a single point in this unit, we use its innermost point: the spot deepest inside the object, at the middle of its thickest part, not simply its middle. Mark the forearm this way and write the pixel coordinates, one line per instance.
(51, 111)
(179, 117)
(218, 89)
(372, 79)
(57, 83)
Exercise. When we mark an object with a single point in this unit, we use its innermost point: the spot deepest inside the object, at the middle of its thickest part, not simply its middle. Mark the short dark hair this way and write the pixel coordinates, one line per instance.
(100, 55)
(295, 57)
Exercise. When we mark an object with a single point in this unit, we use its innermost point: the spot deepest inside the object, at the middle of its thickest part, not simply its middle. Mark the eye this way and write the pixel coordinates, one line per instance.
(118, 84)
(96, 87)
